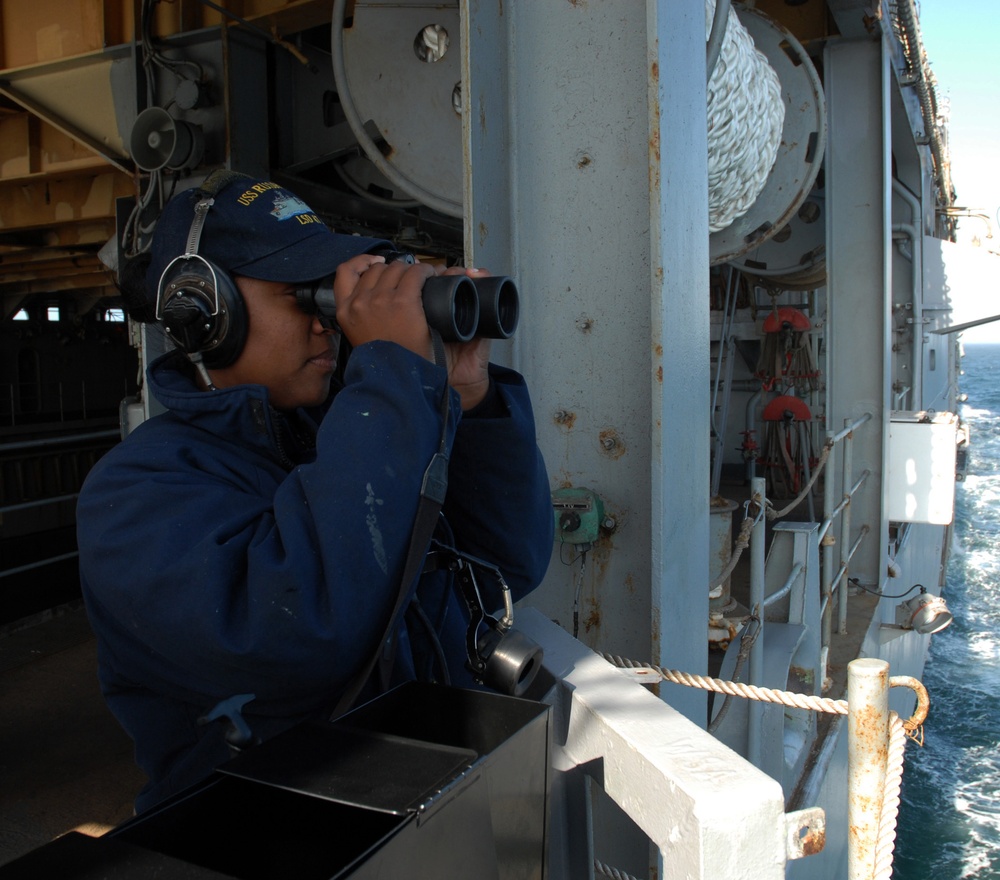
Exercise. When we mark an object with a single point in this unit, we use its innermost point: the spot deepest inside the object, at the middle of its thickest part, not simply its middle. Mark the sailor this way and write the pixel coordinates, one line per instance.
(242, 553)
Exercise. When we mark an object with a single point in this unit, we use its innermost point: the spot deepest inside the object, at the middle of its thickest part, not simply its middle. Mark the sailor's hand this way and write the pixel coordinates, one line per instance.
(468, 361)
(379, 300)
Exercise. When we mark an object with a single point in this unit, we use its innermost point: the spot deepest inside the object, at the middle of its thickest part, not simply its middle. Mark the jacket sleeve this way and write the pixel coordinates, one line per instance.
(212, 572)
(499, 503)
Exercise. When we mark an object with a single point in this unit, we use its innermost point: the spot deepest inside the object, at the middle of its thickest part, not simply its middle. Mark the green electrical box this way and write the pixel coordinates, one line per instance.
(579, 514)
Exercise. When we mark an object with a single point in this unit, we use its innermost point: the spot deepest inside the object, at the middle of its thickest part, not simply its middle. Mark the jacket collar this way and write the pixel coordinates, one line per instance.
(243, 411)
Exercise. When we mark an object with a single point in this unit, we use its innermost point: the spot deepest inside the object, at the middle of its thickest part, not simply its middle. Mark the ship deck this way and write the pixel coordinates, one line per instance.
(64, 761)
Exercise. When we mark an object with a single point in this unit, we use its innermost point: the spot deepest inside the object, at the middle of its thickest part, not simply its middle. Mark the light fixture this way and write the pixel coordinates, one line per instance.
(924, 614)
(927, 613)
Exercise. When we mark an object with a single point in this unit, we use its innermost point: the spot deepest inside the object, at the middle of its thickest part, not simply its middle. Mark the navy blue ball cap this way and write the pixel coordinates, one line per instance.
(254, 228)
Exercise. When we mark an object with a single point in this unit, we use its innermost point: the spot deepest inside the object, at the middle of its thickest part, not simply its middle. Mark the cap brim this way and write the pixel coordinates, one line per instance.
(309, 259)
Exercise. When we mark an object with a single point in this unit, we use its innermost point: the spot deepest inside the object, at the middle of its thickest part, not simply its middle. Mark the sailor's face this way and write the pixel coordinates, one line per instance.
(288, 351)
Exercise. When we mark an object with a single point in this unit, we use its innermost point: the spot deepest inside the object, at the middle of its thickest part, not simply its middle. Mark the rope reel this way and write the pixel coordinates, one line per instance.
(786, 359)
(794, 258)
(787, 455)
(745, 118)
(801, 137)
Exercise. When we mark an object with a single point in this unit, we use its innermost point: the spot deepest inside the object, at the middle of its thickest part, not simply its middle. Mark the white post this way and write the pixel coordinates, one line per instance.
(867, 752)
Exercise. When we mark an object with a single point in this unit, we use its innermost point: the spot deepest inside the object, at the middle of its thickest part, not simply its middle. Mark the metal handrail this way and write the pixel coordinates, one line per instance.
(41, 563)
(37, 502)
(831, 510)
(40, 443)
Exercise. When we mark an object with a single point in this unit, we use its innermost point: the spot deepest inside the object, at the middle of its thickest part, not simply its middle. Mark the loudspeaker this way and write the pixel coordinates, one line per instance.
(160, 141)
(197, 303)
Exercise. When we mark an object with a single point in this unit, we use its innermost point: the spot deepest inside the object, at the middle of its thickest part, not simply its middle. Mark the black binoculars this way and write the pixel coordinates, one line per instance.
(458, 307)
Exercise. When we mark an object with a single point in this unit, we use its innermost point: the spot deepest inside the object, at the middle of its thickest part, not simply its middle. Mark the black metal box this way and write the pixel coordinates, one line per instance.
(424, 782)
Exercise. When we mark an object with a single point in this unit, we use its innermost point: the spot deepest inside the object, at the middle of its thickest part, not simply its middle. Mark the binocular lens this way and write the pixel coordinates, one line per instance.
(498, 307)
(451, 305)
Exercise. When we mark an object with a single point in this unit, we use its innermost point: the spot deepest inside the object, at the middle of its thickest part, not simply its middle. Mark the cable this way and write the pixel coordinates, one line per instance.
(417, 610)
(720, 20)
(857, 583)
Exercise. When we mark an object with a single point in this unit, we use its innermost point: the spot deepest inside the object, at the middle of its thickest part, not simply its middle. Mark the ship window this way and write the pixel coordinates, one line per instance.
(21, 315)
(52, 313)
(114, 316)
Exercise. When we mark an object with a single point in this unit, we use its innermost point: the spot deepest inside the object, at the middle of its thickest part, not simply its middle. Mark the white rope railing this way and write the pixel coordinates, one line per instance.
(899, 731)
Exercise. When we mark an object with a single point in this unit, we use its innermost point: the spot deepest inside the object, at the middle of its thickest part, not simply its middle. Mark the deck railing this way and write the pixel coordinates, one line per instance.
(831, 510)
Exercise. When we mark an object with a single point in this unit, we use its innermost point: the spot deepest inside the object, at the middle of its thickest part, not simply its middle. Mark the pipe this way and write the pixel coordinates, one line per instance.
(827, 566)
(38, 502)
(913, 50)
(867, 747)
(758, 492)
(716, 36)
(45, 442)
(787, 587)
(751, 429)
(31, 566)
(916, 232)
(845, 533)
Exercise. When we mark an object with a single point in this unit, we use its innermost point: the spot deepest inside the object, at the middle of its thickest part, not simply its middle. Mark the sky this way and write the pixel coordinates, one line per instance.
(961, 38)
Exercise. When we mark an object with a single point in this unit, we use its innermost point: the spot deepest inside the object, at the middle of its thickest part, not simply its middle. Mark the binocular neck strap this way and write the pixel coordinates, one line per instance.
(432, 494)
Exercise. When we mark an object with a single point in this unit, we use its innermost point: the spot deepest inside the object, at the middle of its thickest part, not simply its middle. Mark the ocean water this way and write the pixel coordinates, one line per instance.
(949, 822)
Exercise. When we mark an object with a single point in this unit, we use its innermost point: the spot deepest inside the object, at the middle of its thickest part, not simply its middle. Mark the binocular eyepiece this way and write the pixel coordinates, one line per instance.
(456, 306)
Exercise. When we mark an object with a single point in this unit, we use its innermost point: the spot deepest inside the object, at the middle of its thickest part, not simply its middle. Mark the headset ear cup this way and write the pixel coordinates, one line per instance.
(202, 310)
(233, 332)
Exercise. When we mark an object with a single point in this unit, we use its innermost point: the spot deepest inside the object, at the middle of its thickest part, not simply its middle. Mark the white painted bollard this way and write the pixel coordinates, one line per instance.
(867, 756)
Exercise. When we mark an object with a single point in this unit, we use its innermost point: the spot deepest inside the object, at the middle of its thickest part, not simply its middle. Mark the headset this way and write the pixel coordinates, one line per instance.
(198, 304)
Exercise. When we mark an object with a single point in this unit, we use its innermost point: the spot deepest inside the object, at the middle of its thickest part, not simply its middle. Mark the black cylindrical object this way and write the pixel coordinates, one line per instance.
(499, 307)
(452, 306)
(458, 307)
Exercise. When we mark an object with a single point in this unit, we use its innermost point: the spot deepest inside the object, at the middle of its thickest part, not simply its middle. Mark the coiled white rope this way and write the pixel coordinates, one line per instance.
(602, 870)
(899, 731)
(885, 844)
(745, 118)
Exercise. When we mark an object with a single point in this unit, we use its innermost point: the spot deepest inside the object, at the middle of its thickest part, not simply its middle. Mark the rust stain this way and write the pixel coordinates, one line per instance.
(601, 558)
(584, 161)
(565, 419)
(611, 443)
(593, 619)
(813, 842)
(584, 324)
(870, 728)
(484, 231)
(630, 584)
(659, 374)
(658, 350)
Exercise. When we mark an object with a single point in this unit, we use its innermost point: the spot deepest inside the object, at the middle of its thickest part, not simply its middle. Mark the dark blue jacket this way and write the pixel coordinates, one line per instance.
(228, 550)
